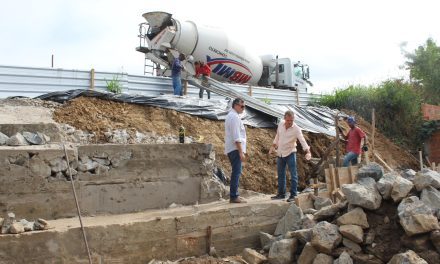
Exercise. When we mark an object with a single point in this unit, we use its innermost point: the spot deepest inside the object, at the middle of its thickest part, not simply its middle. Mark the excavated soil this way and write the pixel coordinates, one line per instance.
(259, 172)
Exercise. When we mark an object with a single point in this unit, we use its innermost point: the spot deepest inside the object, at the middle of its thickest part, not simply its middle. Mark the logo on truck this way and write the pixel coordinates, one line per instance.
(222, 69)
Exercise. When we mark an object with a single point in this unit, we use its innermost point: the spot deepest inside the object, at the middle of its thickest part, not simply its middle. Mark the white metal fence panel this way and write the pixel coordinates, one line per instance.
(32, 82)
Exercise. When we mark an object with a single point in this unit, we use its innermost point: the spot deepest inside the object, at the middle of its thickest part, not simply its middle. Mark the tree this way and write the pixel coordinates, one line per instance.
(424, 66)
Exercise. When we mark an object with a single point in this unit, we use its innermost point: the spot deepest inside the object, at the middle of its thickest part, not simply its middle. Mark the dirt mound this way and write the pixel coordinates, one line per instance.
(259, 172)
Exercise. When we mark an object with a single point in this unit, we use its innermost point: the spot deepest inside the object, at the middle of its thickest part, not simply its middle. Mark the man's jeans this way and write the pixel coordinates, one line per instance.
(281, 167)
(350, 157)
(177, 85)
(234, 158)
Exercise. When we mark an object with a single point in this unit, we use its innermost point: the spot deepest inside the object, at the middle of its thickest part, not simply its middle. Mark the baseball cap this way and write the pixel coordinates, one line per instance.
(351, 120)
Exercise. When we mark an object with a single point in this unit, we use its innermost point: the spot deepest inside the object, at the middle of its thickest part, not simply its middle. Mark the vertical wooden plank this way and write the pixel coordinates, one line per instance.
(433, 166)
(185, 87)
(350, 174)
(332, 182)
(337, 178)
(92, 79)
(337, 136)
(421, 159)
(373, 118)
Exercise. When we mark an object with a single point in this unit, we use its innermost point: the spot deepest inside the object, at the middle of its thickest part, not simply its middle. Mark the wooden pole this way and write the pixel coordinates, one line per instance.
(332, 182)
(421, 159)
(250, 90)
(185, 87)
(52, 60)
(337, 137)
(373, 118)
(92, 79)
(297, 97)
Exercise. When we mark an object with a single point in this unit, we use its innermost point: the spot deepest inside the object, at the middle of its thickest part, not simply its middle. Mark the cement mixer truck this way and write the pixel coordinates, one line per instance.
(162, 38)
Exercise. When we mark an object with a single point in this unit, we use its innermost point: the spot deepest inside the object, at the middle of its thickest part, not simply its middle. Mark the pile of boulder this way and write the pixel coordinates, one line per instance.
(119, 136)
(9, 225)
(382, 218)
(24, 139)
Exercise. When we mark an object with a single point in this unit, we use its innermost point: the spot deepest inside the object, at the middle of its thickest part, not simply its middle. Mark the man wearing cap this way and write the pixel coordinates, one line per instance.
(354, 138)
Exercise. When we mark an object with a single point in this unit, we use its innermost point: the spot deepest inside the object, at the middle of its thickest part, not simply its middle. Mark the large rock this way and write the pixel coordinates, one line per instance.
(34, 138)
(330, 211)
(303, 235)
(356, 216)
(435, 239)
(267, 240)
(409, 257)
(352, 232)
(344, 258)
(17, 140)
(351, 245)
(58, 165)
(38, 167)
(253, 257)
(415, 217)
(323, 259)
(3, 139)
(325, 237)
(320, 202)
(372, 170)
(307, 255)
(7, 223)
(431, 197)
(408, 174)
(282, 252)
(16, 228)
(86, 164)
(291, 221)
(363, 194)
(385, 184)
(401, 189)
(308, 221)
(426, 178)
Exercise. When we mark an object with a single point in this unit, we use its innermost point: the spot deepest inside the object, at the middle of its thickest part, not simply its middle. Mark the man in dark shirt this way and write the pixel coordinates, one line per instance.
(176, 69)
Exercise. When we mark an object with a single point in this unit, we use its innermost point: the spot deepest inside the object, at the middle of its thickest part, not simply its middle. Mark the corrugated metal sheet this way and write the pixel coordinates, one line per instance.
(32, 82)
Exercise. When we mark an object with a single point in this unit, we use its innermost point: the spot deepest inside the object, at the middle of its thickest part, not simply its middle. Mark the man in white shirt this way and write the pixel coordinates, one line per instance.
(285, 145)
(235, 146)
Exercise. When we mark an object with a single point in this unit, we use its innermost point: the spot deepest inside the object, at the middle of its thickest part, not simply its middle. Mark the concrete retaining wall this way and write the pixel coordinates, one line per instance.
(110, 178)
(138, 238)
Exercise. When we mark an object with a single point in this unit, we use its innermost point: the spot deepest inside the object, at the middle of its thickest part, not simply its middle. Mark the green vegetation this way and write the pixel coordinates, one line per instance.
(397, 102)
(114, 85)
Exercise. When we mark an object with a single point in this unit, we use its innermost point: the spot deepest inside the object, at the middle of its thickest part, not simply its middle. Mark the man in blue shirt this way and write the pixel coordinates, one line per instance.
(176, 69)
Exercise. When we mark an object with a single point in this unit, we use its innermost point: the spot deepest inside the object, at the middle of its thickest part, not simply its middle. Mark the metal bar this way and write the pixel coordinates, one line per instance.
(77, 205)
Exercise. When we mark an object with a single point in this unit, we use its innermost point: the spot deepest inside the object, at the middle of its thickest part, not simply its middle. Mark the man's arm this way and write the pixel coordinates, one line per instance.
(302, 140)
(236, 135)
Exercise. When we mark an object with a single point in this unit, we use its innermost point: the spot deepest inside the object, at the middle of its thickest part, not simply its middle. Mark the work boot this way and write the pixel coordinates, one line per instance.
(237, 200)
(278, 197)
(291, 199)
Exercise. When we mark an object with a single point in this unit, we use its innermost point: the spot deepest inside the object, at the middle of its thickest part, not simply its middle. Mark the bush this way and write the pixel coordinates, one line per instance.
(397, 106)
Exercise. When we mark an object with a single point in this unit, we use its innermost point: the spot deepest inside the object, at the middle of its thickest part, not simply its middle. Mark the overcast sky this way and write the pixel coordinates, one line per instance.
(344, 42)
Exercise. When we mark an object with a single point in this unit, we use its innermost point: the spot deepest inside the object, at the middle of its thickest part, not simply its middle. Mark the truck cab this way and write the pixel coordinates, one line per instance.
(284, 73)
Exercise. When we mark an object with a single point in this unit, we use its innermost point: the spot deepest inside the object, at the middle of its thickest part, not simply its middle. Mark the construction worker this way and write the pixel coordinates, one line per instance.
(353, 142)
(204, 70)
(176, 69)
(285, 145)
(235, 146)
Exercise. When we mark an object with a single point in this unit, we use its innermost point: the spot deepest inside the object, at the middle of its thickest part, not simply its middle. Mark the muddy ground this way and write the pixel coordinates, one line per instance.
(259, 172)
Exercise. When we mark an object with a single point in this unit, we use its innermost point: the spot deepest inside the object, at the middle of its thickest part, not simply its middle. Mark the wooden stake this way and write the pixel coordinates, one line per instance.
(421, 159)
(208, 239)
(382, 161)
(185, 87)
(332, 182)
(297, 97)
(433, 166)
(316, 188)
(350, 174)
(250, 90)
(92, 79)
(373, 117)
(337, 136)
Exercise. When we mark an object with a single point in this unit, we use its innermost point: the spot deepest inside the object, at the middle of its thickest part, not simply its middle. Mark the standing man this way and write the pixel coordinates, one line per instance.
(235, 146)
(176, 69)
(204, 70)
(353, 147)
(285, 145)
